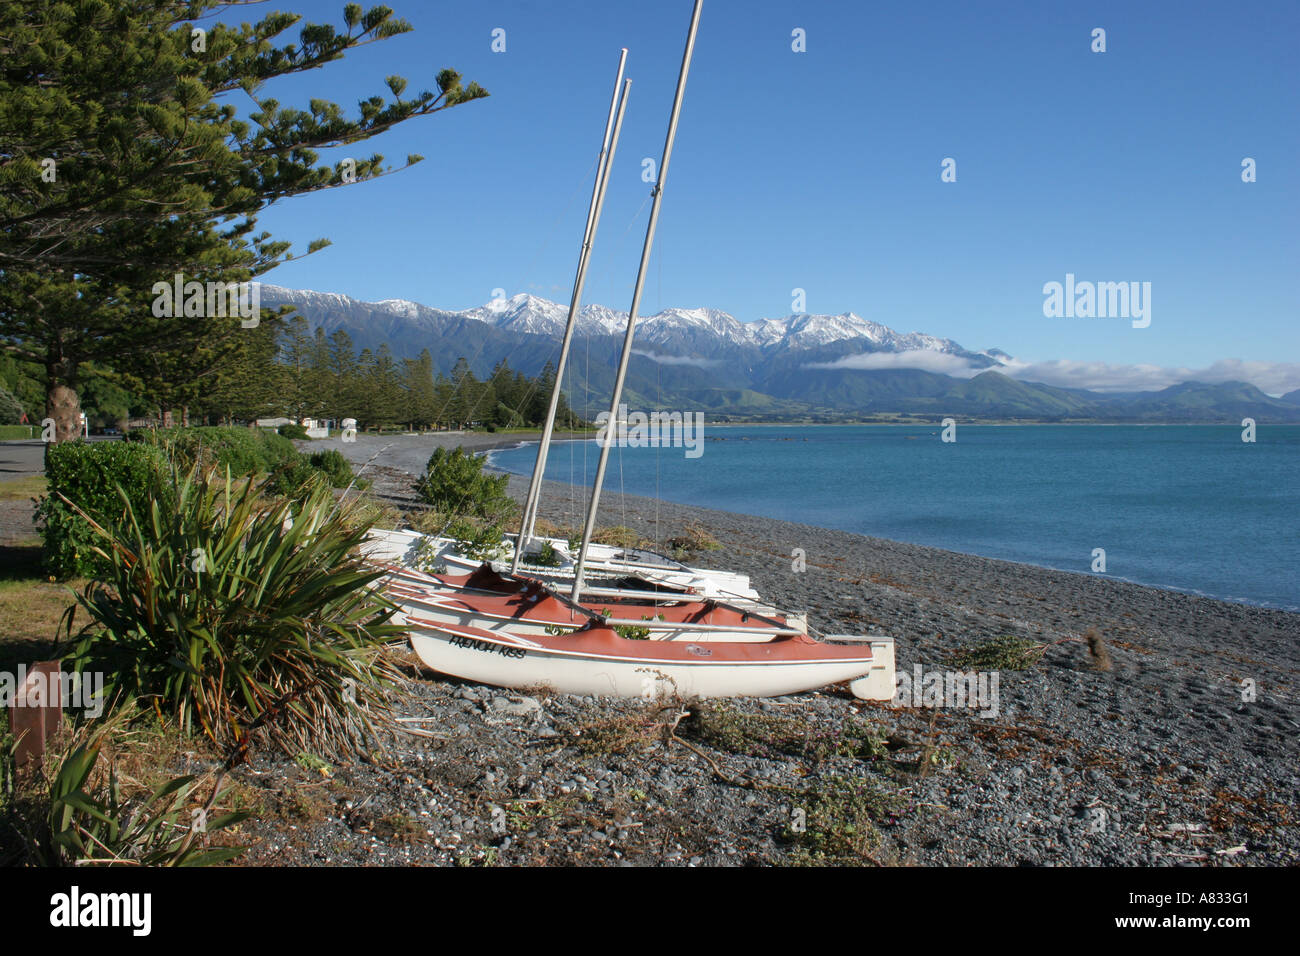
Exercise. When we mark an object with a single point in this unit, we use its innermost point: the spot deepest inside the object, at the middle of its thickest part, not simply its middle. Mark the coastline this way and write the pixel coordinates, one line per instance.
(564, 503)
(489, 447)
(1184, 750)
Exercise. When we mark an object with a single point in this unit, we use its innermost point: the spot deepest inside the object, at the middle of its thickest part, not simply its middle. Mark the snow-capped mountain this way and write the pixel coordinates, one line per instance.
(801, 365)
(685, 333)
(679, 331)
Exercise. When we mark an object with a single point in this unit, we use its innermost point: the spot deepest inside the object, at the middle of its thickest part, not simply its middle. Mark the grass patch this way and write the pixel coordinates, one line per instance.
(693, 539)
(524, 816)
(1005, 653)
(366, 511)
(631, 733)
(1097, 650)
(723, 727)
(399, 828)
(30, 607)
(130, 770)
(18, 489)
(834, 822)
(301, 805)
(620, 536)
(549, 529)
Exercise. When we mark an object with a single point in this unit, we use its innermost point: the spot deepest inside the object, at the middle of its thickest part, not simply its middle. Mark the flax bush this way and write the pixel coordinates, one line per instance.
(240, 615)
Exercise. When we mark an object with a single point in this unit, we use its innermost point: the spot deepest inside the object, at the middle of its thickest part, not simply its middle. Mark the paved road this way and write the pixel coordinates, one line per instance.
(410, 453)
(21, 458)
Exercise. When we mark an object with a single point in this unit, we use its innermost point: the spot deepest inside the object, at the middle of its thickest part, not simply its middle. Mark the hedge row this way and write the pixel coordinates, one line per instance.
(245, 451)
(90, 473)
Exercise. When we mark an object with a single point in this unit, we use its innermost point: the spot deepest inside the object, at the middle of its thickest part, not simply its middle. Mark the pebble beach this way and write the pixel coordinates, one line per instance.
(1180, 748)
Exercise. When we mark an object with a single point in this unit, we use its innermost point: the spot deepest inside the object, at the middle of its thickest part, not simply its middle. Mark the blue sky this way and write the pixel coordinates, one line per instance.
(821, 170)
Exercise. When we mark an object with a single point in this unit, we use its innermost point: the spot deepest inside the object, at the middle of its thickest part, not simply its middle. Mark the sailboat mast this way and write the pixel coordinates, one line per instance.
(608, 145)
(612, 425)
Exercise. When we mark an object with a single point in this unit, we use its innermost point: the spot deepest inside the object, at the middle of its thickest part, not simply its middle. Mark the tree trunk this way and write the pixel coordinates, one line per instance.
(61, 401)
(62, 405)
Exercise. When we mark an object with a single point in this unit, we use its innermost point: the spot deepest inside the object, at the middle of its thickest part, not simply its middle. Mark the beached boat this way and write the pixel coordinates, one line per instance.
(532, 608)
(482, 631)
(607, 563)
(613, 577)
(596, 660)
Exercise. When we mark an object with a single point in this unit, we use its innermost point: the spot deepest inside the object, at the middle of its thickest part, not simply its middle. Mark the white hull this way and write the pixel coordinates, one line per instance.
(505, 661)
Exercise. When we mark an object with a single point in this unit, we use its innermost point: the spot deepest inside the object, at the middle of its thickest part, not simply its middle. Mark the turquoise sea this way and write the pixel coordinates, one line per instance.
(1190, 507)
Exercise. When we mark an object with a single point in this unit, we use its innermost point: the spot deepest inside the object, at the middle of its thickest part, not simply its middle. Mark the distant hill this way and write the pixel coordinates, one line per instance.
(801, 366)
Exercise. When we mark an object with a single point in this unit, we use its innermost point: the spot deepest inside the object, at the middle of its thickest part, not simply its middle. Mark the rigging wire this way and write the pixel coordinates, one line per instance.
(620, 244)
(659, 394)
(541, 248)
(457, 387)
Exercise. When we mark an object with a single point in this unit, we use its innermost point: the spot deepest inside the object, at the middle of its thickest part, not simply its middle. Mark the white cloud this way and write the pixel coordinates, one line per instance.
(678, 359)
(923, 359)
(1272, 378)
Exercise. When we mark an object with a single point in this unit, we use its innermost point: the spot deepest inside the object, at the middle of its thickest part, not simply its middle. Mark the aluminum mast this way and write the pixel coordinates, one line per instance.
(612, 425)
(608, 144)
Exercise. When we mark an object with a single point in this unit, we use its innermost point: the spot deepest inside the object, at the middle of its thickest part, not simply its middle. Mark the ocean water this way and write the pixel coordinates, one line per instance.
(1190, 507)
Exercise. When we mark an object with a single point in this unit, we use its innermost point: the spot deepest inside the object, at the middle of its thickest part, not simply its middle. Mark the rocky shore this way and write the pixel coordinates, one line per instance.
(1171, 741)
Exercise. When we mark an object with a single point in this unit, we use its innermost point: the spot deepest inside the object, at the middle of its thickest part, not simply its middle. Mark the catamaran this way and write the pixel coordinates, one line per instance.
(500, 630)
(597, 660)
(611, 571)
(530, 607)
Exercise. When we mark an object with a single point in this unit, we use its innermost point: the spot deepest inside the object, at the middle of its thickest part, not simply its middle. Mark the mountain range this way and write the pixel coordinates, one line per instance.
(804, 366)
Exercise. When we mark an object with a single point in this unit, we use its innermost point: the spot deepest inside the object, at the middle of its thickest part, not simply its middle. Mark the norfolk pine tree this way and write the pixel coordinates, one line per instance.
(121, 164)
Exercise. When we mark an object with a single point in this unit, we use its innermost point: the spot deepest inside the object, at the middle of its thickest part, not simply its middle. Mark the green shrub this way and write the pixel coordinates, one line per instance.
(547, 557)
(89, 476)
(839, 817)
(293, 431)
(333, 465)
(723, 726)
(480, 540)
(453, 482)
(294, 477)
(245, 451)
(239, 614)
(17, 432)
(632, 632)
(11, 409)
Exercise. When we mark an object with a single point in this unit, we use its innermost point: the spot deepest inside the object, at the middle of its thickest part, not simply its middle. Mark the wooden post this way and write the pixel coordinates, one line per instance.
(36, 712)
